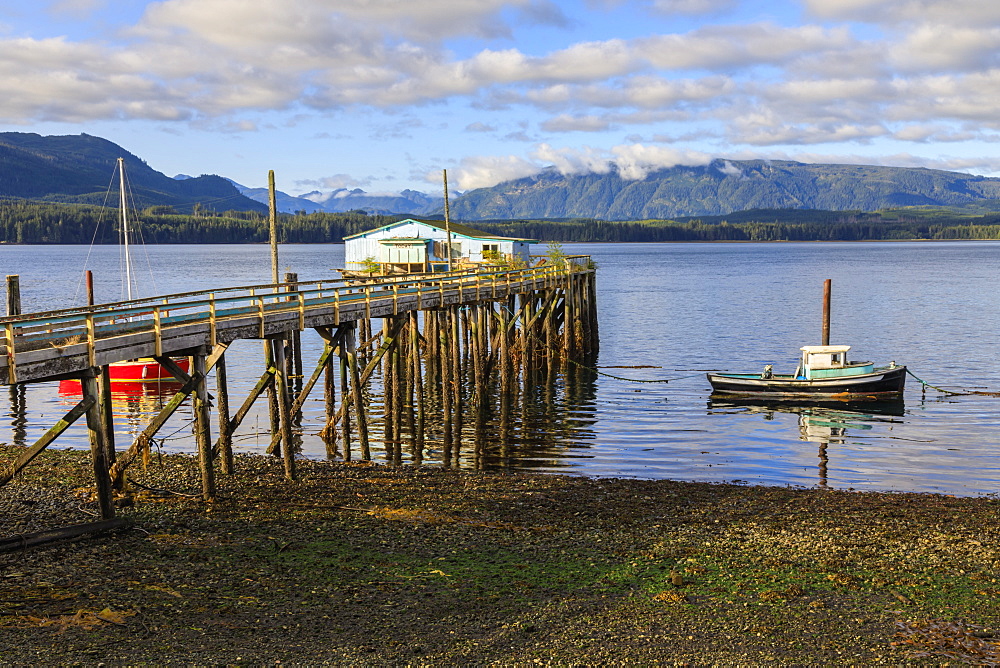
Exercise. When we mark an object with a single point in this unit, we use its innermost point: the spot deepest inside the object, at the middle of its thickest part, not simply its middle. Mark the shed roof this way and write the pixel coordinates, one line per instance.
(456, 229)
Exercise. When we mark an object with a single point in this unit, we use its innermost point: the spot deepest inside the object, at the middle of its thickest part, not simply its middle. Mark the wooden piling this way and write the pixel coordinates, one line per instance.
(13, 294)
(203, 434)
(358, 389)
(284, 408)
(225, 442)
(98, 443)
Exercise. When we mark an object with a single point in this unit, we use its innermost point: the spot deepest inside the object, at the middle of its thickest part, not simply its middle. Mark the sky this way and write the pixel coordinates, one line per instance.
(384, 94)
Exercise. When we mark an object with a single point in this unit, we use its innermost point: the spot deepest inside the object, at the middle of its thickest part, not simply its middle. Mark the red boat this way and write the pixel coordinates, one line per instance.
(139, 376)
(144, 370)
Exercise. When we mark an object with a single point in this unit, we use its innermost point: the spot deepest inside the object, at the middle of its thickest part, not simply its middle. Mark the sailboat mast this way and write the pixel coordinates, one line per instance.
(124, 227)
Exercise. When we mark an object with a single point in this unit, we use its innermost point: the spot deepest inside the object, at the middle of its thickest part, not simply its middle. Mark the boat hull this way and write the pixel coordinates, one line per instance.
(143, 371)
(879, 385)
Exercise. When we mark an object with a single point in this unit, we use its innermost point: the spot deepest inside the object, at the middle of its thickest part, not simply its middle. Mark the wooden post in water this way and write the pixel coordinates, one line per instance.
(294, 344)
(359, 406)
(13, 294)
(826, 312)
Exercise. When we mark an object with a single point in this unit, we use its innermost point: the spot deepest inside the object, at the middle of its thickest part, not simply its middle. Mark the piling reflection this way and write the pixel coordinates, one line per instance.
(822, 423)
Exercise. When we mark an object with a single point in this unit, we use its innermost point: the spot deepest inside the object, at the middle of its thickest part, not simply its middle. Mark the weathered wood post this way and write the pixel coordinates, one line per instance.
(203, 434)
(13, 294)
(445, 361)
(293, 345)
(104, 384)
(273, 410)
(345, 392)
(388, 394)
(284, 412)
(457, 377)
(330, 403)
(418, 383)
(225, 442)
(398, 382)
(359, 406)
(98, 443)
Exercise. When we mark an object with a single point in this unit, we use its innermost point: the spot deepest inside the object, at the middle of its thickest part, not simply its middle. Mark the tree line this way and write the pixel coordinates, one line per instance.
(27, 222)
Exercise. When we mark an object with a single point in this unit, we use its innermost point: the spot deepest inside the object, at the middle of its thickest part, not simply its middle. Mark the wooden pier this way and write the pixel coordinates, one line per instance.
(459, 337)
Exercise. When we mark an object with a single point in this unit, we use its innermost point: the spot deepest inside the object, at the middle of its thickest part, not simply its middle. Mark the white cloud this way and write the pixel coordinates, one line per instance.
(566, 123)
(940, 47)
(948, 12)
(485, 171)
(636, 161)
(334, 182)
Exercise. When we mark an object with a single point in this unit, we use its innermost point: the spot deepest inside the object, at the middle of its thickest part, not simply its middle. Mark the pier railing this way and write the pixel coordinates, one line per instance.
(48, 345)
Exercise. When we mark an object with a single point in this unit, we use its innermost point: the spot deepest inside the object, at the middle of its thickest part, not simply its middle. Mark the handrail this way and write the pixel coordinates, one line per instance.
(212, 306)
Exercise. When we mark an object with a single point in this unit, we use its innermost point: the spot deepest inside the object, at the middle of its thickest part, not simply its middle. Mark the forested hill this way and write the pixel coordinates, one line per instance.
(80, 169)
(23, 222)
(722, 187)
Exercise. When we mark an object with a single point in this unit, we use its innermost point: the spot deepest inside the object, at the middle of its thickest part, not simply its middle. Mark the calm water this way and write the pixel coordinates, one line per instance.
(683, 309)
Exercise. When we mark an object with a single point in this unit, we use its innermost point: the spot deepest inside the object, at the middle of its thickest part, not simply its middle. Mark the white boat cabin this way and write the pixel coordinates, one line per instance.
(414, 246)
(829, 362)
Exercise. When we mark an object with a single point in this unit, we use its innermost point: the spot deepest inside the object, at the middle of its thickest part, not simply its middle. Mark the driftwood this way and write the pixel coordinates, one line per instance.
(63, 534)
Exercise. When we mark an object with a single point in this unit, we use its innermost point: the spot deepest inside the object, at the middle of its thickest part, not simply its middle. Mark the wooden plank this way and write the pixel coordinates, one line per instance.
(58, 428)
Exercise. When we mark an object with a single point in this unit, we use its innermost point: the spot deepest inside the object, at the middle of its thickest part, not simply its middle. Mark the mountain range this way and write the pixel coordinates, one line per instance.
(79, 169)
(407, 202)
(726, 186)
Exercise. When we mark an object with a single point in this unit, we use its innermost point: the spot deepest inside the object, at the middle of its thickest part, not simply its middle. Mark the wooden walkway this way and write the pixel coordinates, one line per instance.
(481, 329)
(61, 344)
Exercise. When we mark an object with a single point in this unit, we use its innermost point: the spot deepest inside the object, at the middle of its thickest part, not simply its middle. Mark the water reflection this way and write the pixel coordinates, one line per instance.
(822, 423)
(133, 403)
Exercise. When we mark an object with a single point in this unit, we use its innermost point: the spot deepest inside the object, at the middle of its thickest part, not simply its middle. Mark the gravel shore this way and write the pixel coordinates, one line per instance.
(356, 564)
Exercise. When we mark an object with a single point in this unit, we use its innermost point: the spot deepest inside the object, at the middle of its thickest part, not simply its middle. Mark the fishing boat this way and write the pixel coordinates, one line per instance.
(823, 373)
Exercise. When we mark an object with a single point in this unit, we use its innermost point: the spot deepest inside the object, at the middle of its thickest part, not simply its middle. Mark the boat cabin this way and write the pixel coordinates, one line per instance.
(829, 362)
(415, 246)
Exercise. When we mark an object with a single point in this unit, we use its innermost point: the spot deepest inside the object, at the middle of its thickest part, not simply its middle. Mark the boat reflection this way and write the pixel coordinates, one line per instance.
(135, 402)
(819, 422)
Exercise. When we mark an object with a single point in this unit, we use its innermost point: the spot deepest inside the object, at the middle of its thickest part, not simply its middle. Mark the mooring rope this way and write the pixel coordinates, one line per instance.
(630, 380)
(965, 393)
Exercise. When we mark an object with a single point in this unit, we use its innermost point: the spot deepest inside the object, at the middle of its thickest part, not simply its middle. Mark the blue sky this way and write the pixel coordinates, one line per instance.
(384, 94)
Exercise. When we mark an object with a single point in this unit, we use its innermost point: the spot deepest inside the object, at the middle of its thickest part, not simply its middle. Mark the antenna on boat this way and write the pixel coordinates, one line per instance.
(123, 206)
(826, 312)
